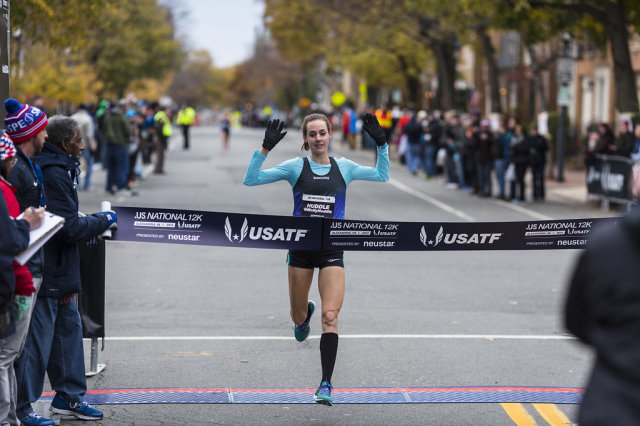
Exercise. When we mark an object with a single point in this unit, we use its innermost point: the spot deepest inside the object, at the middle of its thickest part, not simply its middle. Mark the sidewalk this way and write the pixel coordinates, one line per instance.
(573, 189)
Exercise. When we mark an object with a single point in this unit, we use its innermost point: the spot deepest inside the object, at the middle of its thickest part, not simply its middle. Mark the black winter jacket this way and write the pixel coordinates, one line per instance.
(603, 311)
(62, 258)
(22, 178)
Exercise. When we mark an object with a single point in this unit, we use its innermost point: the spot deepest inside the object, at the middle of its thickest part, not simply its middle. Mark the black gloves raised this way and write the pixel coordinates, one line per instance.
(371, 126)
(273, 134)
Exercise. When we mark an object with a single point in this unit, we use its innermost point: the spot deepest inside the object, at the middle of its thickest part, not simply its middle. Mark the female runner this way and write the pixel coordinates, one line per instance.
(318, 179)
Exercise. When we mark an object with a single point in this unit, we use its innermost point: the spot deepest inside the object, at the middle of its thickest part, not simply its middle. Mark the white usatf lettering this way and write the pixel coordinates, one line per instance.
(471, 239)
(279, 234)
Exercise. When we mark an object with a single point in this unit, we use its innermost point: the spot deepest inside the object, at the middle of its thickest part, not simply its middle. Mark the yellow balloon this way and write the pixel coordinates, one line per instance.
(338, 98)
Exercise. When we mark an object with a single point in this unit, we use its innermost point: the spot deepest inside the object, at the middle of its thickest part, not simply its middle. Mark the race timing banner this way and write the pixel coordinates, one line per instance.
(142, 224)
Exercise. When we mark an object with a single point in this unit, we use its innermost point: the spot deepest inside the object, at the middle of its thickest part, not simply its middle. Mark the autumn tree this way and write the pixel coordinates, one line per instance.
(107, 46)
(197, 82)
(267, 77)
(365, 37)
(613, 18)
(132, 41)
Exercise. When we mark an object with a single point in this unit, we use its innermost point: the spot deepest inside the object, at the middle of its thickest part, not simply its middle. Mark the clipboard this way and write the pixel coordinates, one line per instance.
(37, 237)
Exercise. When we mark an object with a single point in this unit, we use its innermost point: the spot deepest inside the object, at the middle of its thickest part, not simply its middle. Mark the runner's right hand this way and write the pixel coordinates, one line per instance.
(273, 134)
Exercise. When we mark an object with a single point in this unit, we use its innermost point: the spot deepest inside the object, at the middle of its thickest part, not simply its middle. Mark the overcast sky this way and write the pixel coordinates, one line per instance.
(224, 27)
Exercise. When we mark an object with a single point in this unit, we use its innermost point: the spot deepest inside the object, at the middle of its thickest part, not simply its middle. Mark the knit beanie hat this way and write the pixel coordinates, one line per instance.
(23, 121)
(7, 149)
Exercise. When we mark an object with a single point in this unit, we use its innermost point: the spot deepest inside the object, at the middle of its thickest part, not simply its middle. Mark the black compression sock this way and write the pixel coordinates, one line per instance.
(328, 352)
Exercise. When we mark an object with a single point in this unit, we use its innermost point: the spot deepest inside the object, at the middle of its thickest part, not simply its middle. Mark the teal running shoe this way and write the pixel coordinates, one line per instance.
(323, 394)
(302, 331)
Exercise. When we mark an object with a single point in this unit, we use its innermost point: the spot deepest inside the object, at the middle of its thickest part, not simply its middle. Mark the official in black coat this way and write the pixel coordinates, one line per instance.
(603, 311)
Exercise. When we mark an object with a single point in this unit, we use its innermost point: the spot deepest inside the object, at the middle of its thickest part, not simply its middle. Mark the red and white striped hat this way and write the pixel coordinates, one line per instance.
(23, 121)
(7, 149)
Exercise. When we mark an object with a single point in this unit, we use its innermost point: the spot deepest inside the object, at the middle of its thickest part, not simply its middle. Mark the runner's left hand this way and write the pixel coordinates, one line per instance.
(371, 126)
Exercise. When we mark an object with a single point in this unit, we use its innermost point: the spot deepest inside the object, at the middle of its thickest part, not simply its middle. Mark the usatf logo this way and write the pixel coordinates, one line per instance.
(424, 239)
(265, 233)
(462, 238)
(235, 237)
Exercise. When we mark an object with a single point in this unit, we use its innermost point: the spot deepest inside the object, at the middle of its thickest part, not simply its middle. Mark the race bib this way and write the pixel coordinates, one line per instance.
(318, 205)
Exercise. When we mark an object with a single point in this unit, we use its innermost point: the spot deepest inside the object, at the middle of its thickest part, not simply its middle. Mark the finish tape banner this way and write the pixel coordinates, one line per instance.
(142, 224)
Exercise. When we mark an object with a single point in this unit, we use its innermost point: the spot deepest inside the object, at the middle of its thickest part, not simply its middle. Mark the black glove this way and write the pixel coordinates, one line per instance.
(371, 126)
(273, 134)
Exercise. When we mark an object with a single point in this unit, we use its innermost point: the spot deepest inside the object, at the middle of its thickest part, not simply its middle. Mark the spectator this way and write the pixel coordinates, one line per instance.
(432, 136)
(468, 158)
(603, 310)
(15, 238)
(413, 131)
(635, 152)
(10, 345)
(163, 130)
(135, 123)
(538, 147)
(501, 153)
(101, 152)
(147, 133)
(85, 121)
(7, 277)
(606, 140)
(624, 143)
(54, 340)
(345, 123)
(117, 133)
(353, 128)
(482, 146)
(520, 159)
(185, 119)
(454, 140)
(26, 125)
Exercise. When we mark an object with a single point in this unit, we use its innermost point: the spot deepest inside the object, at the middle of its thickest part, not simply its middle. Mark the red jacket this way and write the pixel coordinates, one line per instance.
(24, 282)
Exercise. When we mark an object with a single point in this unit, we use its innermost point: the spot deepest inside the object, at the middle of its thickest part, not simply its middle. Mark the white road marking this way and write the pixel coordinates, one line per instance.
(431, 200)
(348, 336)
(524, 210)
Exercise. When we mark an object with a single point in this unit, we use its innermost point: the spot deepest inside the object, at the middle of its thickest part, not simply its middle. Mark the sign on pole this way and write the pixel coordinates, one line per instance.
(564, 70)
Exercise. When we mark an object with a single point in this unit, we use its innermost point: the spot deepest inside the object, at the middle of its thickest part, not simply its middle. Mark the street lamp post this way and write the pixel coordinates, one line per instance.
(561, 136)
(564, 77)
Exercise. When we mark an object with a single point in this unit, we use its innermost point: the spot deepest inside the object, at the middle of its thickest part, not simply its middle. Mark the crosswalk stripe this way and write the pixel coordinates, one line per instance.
(518, 414)
(552, 414)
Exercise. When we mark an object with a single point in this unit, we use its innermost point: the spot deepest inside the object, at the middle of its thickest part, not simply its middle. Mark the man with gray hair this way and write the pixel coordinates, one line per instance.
(85, 122)
(54, 340)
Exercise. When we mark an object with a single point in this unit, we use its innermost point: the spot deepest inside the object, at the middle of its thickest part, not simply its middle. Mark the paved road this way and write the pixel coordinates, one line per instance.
(207, 317)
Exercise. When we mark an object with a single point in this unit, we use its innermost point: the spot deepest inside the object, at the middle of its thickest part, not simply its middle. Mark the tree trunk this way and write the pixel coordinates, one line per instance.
(412, 84)
(536, 72)
(625, 79)
(492, 70)
(444, 50)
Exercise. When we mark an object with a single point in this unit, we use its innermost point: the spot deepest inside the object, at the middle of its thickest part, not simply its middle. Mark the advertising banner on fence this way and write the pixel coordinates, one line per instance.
(153, 225)
(610, 177)
(413, 236)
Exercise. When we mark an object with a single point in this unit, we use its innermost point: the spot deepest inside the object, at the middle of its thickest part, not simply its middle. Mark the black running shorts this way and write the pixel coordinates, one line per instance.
(315, 259)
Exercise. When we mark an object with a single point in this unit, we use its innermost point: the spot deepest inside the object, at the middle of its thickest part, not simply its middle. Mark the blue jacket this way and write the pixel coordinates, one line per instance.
(61, 255)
